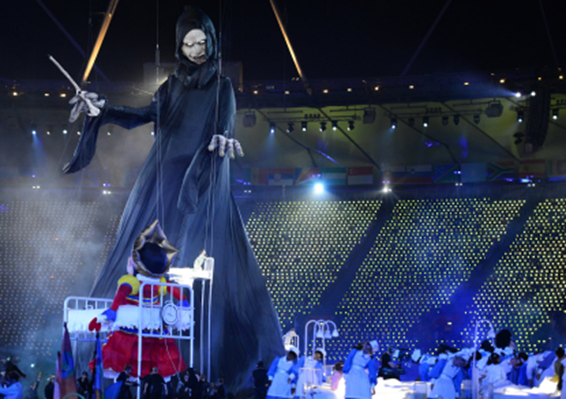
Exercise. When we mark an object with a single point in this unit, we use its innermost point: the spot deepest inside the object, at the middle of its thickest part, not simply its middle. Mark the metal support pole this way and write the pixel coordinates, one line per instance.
(201, 346)
(210, 317)
(140, 324)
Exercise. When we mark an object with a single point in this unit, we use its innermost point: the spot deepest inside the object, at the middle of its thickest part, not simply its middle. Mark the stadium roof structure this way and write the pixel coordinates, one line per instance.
(433, 119)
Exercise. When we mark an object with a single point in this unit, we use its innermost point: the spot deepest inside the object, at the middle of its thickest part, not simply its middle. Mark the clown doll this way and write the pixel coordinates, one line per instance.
(150, 259)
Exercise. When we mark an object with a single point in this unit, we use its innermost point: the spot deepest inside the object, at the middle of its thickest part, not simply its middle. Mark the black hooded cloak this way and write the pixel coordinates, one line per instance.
(199, 210)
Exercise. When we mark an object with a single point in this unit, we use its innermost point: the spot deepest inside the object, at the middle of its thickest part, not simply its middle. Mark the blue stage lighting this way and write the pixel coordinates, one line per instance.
(318, 188)
(393, 123)
(272, 127)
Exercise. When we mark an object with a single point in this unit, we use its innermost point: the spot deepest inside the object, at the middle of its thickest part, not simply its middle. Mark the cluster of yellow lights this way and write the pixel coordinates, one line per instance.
(43, 243)
(424, 252)
(528, 281)
(302, 245)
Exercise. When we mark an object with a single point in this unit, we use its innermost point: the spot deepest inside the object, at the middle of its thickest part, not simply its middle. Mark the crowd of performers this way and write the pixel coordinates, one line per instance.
(187, 384)
(448, 370)
(296, 377)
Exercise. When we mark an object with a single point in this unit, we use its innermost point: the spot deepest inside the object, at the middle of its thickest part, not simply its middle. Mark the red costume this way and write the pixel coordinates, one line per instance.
(121, 349)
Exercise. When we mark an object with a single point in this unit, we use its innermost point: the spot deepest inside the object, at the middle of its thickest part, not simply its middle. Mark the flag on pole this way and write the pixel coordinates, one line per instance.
(66, 375)
(98, 371)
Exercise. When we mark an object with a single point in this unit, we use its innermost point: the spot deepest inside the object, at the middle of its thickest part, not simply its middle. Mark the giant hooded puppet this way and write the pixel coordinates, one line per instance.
(197, 209)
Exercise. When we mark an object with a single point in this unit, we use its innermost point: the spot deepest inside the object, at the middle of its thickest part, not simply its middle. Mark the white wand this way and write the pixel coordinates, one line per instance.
(92, 110)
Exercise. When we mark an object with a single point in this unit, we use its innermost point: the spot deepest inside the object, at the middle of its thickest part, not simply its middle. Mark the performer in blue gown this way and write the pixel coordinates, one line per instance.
(196, 208)
(360, 372)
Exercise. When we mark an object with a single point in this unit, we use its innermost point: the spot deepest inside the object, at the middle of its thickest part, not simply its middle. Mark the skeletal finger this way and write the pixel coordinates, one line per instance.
(75, 112)
(231, 149)
(213, 143)
(91, 95)
(99, 103)
(238, 148)
(221, 145)
(75, 99)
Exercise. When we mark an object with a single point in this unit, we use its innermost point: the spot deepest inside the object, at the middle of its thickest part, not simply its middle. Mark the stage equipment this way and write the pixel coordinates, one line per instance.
(393, 123)
(290, 127)
(187, 276)
(494, 109)
(369, 116)
(249, 119)
(321, 329)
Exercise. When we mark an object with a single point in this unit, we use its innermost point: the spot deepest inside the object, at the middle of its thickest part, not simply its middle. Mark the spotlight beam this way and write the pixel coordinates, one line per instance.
(68, 36)
(103, 29)
(423, 133)
(306, 147)
(425, 39)
(290, 47)
(475, 126)
(352, 141)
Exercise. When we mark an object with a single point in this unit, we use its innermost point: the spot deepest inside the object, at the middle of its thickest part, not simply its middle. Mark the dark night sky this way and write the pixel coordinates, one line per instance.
(341, 39)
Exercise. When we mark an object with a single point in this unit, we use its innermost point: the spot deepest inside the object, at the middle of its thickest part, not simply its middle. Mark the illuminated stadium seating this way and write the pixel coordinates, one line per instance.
(301, 246)
(425, 251)
(45, 246)
(528, 282)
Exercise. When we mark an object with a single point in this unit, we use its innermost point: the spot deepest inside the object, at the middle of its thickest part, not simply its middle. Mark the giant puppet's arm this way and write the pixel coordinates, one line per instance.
(126, 117)
(223, 139)
(127, 285)
(206, 167)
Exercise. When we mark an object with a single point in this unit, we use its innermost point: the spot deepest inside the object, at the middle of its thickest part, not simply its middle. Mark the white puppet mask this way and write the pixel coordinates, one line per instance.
(194, 46)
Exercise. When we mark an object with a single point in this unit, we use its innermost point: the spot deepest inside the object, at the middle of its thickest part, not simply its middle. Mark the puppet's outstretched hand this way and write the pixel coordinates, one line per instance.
(224, 145)
(84, 101)
(107, 316)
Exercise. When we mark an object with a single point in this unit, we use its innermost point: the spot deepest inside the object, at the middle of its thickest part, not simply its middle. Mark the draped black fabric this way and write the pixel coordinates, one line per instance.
(199, 210)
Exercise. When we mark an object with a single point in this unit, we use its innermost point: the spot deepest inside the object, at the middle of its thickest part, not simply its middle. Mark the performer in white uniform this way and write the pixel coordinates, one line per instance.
(282, 374)
(359, 382)
(444, 386)
(310, 373)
